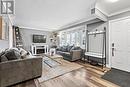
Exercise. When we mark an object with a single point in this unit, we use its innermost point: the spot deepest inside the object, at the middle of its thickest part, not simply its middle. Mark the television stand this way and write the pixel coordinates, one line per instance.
(39, 49)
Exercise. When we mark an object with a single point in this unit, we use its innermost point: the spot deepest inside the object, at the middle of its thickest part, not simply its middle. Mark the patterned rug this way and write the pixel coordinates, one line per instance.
(51, 63)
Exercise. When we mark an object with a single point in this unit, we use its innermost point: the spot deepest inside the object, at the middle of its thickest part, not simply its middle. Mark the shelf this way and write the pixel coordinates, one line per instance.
(96, 32)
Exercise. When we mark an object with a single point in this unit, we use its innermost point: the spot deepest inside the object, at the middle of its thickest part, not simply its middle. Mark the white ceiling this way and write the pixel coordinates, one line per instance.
(112, 8)
(50, 15)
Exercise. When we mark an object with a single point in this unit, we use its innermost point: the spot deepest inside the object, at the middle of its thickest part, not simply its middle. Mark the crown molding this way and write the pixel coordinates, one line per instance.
(41, 29)
(119, 12)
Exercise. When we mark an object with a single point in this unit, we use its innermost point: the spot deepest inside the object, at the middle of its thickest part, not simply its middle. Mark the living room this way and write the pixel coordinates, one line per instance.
(64, 43)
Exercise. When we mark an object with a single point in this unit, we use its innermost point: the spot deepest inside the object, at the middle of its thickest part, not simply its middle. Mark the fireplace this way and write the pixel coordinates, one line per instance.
(39, 49)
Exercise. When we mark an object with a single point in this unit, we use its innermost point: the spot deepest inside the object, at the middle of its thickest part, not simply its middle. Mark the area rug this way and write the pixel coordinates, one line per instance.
(51, 63)
(118, 77)
(53, 72)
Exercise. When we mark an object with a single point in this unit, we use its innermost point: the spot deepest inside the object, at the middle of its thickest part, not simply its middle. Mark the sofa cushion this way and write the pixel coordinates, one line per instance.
(12, 54)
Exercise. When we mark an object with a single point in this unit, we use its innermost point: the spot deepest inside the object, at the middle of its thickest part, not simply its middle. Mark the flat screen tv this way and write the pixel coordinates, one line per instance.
(39, 38)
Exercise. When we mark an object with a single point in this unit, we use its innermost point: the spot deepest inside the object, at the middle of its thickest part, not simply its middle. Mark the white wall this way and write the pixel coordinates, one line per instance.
(4, 44)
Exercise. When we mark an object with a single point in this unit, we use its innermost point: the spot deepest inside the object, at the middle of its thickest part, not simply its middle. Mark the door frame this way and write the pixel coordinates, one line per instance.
(109, 24)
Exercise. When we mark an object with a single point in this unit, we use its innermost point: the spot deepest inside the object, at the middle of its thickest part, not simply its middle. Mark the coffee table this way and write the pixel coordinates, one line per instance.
(53, 59)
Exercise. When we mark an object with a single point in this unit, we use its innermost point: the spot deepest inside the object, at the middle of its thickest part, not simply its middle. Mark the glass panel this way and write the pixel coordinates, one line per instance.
(73, 39)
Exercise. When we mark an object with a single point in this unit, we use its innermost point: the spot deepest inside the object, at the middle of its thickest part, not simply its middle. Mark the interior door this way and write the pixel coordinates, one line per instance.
(120, 44)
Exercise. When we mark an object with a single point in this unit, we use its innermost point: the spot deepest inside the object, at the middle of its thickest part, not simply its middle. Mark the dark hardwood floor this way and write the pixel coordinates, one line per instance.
(88, 76)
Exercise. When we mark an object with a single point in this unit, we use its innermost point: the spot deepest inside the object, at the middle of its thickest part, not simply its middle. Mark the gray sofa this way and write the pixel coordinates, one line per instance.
(20, 70)
(70, 53)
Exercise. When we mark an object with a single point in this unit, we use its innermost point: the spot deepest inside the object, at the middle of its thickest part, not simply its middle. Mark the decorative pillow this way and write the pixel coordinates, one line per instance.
(12, 54)
(1, 55)
(3, 58)
(64, 49)
(2, 50)
(23, 52)
(61, 48)
(75, 48)
(69, 48)
(58, 48)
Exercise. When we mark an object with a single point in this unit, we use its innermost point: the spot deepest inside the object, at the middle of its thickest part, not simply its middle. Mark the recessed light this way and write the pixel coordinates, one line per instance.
(112, 1)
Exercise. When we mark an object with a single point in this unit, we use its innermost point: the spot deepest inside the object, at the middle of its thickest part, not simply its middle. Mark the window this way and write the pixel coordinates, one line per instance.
(75, 37)
(68, 39)
(62, 39)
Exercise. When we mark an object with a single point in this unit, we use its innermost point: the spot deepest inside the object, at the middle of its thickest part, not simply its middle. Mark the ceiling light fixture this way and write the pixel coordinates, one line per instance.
(112, 1)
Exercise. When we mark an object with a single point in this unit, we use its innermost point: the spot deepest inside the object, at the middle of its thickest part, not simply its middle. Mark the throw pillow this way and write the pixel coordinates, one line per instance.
(59, 48)
(1, 55)
(69, 48)
(73, 48)
(12, 54)
(3, 58)
(23, 53)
